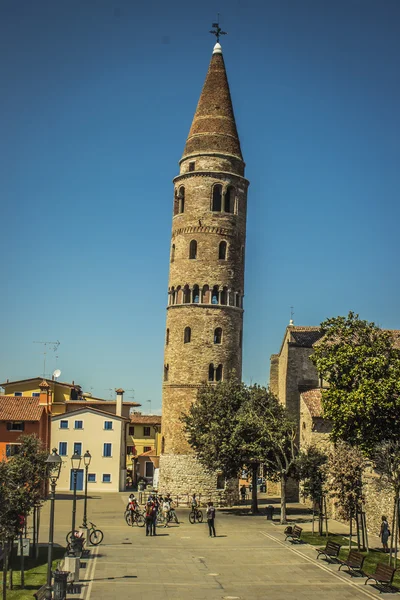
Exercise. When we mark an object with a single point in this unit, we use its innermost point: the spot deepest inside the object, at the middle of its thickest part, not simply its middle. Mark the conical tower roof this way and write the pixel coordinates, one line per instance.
(213, 128)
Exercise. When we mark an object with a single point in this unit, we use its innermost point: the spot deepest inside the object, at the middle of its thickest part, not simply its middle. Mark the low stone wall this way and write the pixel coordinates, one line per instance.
(182, 475)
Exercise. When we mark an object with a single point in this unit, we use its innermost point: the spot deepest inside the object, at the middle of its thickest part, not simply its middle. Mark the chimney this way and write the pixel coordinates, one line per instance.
(120, 397)
(44, 398)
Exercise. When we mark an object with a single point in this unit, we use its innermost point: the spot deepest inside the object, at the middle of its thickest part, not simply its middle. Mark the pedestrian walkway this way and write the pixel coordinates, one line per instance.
(248, 560)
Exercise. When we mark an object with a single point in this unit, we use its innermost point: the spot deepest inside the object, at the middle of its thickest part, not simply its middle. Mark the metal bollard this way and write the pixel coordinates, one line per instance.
(60, 584)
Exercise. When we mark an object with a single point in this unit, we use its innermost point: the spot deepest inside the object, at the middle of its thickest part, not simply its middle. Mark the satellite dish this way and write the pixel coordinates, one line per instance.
(56, 373)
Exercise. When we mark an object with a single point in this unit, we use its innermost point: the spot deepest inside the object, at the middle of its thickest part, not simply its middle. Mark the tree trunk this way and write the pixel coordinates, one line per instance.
(326, 515)
(313, 517)
(283, 499)
(254, 503)
(5, 550)
(22, 562)
(320, 516)
(351, 531)
(393, 530)
(396, 532)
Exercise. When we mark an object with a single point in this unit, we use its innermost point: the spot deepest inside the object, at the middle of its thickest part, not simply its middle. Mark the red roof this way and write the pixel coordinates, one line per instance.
(54, 381)
(312, 399)
(138, 418)
(148, 453)
(20, 408)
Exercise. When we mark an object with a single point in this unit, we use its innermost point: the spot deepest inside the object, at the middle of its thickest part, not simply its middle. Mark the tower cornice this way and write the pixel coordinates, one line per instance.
(215, 174)
(193, 155)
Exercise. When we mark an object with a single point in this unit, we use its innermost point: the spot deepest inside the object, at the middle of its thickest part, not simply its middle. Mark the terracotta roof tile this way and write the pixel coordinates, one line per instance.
(313, 400)
(20, 408)
(148, 453)
(138, 418)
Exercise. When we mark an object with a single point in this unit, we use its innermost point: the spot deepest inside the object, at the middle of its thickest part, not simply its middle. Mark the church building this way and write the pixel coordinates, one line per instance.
(204, 330)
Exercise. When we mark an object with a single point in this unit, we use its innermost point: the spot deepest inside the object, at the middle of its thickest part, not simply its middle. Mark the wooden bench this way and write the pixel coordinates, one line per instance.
(330, 551)
(294, 534)
(40, 594)
(383, 576)
(354, 562)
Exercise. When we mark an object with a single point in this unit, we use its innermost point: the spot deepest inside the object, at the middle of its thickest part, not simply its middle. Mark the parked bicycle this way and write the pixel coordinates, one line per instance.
(95, 535)
(195, 515)
(133, 517)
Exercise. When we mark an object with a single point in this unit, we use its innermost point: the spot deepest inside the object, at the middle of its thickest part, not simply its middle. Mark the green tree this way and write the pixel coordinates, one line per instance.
(231, 426)
(387, 464)
(308, 470)
(361, 364)
(343, 471)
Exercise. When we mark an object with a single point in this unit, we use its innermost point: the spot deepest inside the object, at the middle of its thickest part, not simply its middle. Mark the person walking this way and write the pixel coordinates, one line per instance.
(149, 518)
(384, 533)
(211, 519)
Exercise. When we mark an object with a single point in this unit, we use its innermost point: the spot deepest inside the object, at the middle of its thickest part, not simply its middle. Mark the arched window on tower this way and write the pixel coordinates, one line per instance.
(181, 199)
(167, 338)
(218, 335)
(173, 253)
(178, 295)
(222, 251)
(224, 296)
(186, 294)
(218, 373)
(166, 372)
(196, 294)
(187, 335)
(217, 198)
(215, 295)
(193, 249)
(229, 199)
(176, 203)
(211, 372)
(162, 445)
(205, 296)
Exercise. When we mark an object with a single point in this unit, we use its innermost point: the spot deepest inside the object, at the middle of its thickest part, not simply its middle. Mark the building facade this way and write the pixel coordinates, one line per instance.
(203, 339)
(103, 435)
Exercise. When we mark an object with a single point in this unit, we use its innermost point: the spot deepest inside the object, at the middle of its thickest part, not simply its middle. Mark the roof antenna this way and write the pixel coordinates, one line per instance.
(291, 322)
(217, 31)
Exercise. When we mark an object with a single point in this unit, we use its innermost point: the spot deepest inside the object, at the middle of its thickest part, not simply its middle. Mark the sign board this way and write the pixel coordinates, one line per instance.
(26, 546)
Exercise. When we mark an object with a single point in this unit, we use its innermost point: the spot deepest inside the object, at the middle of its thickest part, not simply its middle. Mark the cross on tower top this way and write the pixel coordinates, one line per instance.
(217, 31)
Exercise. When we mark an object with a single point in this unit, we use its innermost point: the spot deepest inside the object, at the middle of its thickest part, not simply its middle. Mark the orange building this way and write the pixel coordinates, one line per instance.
(24, 416)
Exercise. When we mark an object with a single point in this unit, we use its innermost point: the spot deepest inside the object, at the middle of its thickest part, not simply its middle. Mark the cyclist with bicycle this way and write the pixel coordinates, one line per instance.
(171, 513)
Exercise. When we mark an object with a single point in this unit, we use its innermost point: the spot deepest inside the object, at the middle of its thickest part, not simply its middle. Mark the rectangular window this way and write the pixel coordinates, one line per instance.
(131, 430)
(78, 425)
(63, 424)
(149, 469)
(146, 430)
(62, 448)
(108, 424)
(107, 450)
(18, 394)
(91, 477)
(106, 478)
(191, 166)
(78, 448)
(146, 448)
(35, 394)
(12, 449)
(16, 426)
(129, 449)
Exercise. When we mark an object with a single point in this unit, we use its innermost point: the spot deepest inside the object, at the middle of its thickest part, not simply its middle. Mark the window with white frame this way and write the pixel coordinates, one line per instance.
(106, 478)
(15, 426)
(19, 394)
(146, 430)
(78, 448)
(91, 477)
(12, 449)
(35, 394)
(108, 424)
(63, 448)
(78, 425)
(63, 424)
(107, 450)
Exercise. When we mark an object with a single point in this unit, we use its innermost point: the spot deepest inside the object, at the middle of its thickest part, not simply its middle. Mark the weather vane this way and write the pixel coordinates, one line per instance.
(217, 31)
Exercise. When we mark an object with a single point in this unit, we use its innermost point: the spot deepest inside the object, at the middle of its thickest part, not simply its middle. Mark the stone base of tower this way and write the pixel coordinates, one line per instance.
(183, 475)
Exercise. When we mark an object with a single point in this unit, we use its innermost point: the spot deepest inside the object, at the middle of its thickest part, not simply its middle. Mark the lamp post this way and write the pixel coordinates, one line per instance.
(86, 460)
(53, 468)
(76, 463)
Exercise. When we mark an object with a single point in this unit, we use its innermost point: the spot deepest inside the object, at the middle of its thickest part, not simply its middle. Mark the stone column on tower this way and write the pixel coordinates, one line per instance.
(203, 340)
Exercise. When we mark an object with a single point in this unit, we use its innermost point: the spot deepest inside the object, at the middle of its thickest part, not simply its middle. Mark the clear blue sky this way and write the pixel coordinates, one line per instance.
(96, 103)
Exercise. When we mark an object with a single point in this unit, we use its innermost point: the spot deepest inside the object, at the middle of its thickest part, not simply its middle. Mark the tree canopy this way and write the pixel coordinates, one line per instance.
(361, 364)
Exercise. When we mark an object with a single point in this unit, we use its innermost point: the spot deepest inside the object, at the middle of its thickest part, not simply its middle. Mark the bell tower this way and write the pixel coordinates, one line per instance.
(203, 340)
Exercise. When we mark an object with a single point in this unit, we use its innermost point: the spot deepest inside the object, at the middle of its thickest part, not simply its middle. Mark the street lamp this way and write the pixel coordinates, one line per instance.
(86, 461)
(53, 468)
(76, 463)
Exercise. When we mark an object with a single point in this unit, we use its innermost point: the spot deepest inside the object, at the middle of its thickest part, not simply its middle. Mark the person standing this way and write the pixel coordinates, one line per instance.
(211, 519)
(243, 493)
(384, 533)
(149, 518)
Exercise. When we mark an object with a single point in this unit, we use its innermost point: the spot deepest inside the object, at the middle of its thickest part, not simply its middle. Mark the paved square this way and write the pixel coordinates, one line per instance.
(248, 560)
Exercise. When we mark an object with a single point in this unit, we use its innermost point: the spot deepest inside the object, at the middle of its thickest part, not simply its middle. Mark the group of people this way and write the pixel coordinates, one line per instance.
(156, 503)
